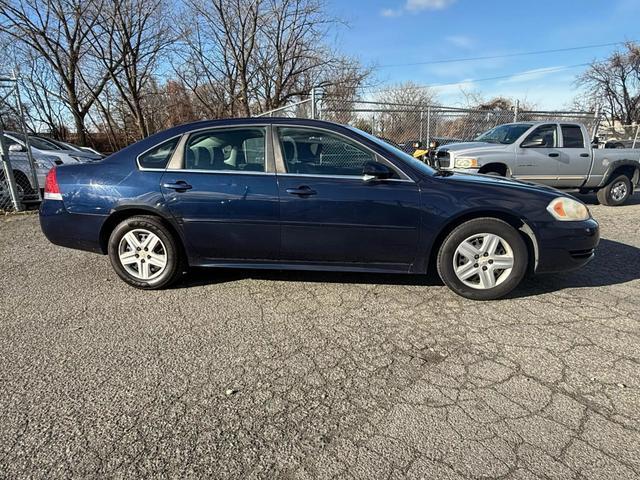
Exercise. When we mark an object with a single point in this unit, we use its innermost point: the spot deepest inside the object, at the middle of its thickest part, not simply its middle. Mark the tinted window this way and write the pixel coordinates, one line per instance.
(158, 156)
(504, 134)
(240, 149)
(548, 134)
(315, 152)
(572, 136)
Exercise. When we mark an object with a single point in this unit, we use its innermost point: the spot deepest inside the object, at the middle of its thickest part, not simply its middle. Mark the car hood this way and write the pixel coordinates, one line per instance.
(490, 180)
(475, 146)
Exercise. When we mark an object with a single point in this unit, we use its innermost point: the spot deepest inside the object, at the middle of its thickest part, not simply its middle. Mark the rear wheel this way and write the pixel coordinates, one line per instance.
(483, 259)
(616, 192)
(144, 253)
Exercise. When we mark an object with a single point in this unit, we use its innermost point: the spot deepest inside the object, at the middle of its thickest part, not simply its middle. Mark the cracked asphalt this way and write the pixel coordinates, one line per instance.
(244, 374)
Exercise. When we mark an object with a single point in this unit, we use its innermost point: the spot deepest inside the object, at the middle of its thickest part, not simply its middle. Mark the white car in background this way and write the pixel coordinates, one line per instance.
(46, 154)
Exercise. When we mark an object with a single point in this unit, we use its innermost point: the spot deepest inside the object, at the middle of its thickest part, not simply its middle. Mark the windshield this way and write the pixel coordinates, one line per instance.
(405, 157)
(37, 142)
(505, 134)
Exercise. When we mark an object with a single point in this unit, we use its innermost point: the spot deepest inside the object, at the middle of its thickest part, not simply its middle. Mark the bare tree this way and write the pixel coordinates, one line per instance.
(405, 108)
(615, 84)
(59, 31)
(129, 40)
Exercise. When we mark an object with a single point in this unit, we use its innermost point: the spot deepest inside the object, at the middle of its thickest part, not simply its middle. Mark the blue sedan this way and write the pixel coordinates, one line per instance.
(305, 194)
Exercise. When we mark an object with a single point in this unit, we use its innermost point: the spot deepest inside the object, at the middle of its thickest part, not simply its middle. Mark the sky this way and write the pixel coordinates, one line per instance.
(387, 33)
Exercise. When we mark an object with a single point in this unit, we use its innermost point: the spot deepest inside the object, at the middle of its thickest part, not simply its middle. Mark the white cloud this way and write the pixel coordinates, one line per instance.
(390, 12)
(535, 74)
(416, 6)
(460, 41)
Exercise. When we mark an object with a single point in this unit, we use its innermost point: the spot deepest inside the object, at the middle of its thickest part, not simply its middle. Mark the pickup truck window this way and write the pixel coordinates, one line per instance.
(504, 134)
(572, 136)
(545, 136)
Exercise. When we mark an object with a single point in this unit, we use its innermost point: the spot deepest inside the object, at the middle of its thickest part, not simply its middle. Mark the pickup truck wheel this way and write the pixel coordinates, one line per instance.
(616, 192)
(493, 174)
(483, 259)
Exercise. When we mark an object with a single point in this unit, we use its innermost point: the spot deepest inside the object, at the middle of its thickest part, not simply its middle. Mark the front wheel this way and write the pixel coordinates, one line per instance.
(483, 259)
(616, 192)
(144, 253)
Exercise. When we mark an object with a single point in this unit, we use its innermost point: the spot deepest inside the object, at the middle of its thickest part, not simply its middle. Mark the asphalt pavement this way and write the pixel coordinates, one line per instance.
(254, 374)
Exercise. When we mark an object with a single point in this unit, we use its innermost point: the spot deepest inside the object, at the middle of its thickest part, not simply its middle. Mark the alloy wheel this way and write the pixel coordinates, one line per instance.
(618, 191)
(483, 261)
(142, 254)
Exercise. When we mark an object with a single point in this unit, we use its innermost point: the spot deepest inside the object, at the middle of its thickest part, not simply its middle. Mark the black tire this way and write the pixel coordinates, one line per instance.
(175, 262)
(479, 226)
(616, 192)
(493, 173)
(23, 183)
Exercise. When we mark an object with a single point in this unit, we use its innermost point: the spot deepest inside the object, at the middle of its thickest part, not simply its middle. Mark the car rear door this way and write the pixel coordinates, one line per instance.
(575, 156)
(222, 190)
(330, 214)
(539, 162)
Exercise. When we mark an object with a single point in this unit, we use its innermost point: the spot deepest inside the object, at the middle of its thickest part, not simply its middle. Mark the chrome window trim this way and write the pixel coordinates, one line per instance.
(221, 172)
(344, 177)
(146, 169)
(177, 161)
(282, 169)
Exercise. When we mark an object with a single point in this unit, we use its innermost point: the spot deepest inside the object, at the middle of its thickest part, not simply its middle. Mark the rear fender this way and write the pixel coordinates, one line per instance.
(610, 173)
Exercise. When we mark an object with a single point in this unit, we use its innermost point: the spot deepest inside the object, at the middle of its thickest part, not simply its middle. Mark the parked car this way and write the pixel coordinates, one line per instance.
(43, 147)
(87, 152)
(306, 194)
(550, 153)
(21, 168)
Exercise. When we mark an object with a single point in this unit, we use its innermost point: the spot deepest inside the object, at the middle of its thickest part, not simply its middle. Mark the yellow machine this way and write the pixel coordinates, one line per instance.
(425, 154)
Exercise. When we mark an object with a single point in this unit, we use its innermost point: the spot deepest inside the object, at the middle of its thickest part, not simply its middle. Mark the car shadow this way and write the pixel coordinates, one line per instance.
(614, 263)
(591, 199)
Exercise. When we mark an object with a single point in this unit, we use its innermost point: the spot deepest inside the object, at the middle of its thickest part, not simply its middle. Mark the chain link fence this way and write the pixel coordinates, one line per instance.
(19, 185)
(406, 124)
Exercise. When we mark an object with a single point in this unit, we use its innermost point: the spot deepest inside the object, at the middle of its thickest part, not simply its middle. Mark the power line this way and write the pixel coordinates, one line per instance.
(506, 55)
(486, 79)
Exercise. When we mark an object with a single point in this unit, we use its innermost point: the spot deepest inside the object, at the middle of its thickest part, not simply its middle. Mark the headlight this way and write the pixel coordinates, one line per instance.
(568, 210)
(43, 164)
(466, 162)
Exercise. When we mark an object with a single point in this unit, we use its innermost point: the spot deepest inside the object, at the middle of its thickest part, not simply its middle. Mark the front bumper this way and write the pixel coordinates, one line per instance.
(564, 246)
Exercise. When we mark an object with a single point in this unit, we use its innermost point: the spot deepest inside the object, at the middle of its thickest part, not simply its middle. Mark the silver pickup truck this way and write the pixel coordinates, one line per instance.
(555, 154)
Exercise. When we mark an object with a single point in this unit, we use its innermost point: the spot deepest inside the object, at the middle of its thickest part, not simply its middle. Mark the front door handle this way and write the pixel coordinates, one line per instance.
(554, 155)
(301, 191)
(179, 186)
(584, 155)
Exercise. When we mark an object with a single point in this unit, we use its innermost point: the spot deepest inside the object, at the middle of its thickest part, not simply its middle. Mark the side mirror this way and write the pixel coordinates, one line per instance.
(595, 142)
(16, 147)
(533, 143)
(375, 171)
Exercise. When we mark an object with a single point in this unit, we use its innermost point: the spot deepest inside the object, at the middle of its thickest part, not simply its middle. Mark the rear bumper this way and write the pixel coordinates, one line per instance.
(70, 230)
(564, 246)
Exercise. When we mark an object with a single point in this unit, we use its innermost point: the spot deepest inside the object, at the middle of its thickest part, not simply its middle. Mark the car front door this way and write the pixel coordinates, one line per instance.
(331, 214)
(575, 157)
(222, 190)
(537, 156)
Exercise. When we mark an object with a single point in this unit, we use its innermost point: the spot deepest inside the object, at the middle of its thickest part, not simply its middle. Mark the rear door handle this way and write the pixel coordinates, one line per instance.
(179, 186)
(554, 155)
(584, 155)
(301, 191)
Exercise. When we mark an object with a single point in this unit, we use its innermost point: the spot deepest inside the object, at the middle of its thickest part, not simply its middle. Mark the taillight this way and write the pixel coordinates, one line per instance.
(51, 187)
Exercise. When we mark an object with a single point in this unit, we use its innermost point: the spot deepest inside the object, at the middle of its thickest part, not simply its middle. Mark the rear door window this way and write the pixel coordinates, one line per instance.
(572, 136)
(234, 149)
